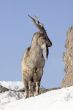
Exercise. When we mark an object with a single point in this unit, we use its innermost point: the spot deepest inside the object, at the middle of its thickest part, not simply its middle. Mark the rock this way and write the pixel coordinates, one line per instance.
(68, 59)
(3, 89)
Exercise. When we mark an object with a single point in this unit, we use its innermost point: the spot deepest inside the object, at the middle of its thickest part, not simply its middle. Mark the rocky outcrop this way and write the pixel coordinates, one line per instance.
(68, 59)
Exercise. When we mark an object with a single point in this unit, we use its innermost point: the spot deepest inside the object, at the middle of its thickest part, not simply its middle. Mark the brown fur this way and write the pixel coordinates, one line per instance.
(33, 62)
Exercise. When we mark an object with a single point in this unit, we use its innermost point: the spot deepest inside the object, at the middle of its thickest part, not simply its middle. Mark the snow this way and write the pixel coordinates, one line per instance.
(11, 96)
(13, 85)
(61, 99)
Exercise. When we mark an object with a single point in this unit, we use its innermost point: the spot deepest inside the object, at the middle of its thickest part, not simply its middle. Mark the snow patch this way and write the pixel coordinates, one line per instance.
(61, 99)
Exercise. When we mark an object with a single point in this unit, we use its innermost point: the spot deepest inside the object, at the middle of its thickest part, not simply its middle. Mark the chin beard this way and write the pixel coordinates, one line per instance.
(45, 51)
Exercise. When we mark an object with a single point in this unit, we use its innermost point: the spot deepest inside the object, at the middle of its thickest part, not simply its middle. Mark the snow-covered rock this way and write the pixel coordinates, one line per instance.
(13, 85)
(12, 94)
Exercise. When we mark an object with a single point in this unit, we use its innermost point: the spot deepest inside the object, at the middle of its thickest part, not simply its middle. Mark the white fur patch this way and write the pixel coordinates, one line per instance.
(44, 50)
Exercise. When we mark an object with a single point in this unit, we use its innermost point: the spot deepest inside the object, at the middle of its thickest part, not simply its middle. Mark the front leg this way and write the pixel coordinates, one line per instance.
(37, 88)
(30, 86)
(26, 89)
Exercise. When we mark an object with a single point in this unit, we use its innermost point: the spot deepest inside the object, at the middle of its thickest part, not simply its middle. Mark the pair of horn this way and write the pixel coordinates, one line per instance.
(38, 24)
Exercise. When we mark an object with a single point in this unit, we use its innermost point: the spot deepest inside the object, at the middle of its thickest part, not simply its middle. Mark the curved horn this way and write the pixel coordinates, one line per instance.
(37, 23)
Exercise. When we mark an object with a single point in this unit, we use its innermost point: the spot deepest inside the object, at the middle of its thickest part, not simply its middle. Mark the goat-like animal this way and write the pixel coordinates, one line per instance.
(33, 60)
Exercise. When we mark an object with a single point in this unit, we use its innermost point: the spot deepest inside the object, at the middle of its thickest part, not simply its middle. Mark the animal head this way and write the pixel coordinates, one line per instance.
(41, 38)
(43, 35)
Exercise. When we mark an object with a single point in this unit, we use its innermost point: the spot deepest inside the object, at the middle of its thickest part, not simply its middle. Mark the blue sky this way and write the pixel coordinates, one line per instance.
(16, 31)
